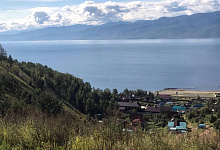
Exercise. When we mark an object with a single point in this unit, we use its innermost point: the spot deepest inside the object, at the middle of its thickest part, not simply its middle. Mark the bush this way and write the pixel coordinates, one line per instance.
(218, 113)
(212, 118)
(197, 120)
(38, 131)
(201, 121)
(217, 125)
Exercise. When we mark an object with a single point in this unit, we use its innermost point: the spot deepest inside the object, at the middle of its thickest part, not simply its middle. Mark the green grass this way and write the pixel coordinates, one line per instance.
(69, 108)
(20, 80)
(15, 67)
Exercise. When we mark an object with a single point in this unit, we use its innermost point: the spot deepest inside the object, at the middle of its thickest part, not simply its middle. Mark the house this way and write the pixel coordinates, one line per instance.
(164, 109)
(161, 104)
(191, 108)
(179, 109)
(198, 106)
(202, 126)
(169, 103)
(124, 106)
(217, 94)
(167, 110)
(177, 127)
(170, 124)
(160, 109)
(151, 110)
(164, 97)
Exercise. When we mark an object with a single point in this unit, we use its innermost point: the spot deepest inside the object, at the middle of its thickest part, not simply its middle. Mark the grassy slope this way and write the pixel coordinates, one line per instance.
(23, 81)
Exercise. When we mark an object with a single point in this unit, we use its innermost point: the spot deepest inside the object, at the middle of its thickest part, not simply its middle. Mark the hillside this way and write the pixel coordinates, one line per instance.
(19, 89)
(206, 25)
(25, 84)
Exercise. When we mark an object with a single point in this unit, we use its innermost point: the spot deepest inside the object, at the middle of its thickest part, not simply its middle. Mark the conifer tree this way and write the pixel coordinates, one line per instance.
(3, 53)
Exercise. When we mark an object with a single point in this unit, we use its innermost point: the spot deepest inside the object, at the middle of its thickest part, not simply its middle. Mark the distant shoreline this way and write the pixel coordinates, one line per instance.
(190, 93)
(110, 41)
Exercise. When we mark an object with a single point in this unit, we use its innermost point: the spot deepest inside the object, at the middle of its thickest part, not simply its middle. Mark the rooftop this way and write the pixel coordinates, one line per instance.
(180, 108)
(171, 124)
(182, 125)
(198, 105)
(128, 104)
(165, 108)
(152, 109)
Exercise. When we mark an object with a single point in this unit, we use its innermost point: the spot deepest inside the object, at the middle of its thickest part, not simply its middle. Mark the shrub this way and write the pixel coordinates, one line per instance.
(212, 118)
(217, 125)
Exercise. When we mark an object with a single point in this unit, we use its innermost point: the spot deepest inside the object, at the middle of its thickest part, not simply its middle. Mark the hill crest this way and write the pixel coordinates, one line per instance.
(202, 25)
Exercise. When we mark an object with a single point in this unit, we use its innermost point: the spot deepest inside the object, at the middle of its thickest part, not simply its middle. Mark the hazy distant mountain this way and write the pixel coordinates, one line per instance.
(206, 25)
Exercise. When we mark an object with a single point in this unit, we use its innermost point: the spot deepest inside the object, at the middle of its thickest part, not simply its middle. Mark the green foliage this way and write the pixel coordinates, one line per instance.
(140, 92)
(10, 60)
(49, 104)
(212, 118)
(4, 106)
(218, 113)
(151, 96)
(206, 114)
(217, 125)
(115, 91)
(3, 53)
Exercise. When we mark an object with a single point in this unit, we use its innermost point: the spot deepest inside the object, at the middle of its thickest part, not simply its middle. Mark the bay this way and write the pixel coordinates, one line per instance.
(150, 65)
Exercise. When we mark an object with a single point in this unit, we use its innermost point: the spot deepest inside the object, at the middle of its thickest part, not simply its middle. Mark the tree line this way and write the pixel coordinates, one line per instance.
(26, 83)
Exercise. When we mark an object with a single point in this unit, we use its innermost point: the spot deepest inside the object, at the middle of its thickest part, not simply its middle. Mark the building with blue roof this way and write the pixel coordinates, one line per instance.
(178, 109)
(177, 127)
(198, 105)
(202, 126)
(182, 126)
(170, 124)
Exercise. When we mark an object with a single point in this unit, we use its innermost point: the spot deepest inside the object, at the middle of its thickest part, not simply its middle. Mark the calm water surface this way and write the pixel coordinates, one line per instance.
(134, 64)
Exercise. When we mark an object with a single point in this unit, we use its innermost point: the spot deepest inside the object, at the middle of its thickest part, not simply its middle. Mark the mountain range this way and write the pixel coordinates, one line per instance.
(203, 25)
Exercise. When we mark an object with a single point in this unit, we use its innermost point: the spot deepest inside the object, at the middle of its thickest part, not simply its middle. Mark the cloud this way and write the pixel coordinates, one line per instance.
(38, 0)
(90, 12)
(40, 17)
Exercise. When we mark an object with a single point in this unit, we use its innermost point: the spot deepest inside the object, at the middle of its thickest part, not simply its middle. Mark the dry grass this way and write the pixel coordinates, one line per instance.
(34, 130)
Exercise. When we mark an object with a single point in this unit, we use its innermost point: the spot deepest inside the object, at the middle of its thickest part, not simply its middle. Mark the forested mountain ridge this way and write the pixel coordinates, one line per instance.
(204, 25)
(52, 92)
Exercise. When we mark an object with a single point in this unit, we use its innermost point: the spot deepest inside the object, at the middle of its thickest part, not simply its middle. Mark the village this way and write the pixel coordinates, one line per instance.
(168, 107)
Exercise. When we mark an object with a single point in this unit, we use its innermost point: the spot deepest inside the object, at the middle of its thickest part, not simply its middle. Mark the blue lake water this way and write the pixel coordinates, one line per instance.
(134, 64)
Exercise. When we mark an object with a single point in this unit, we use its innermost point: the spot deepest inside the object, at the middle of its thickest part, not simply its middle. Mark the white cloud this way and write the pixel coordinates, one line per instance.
(46, 9)
(38, 0)
(40, 17)
(90, 12)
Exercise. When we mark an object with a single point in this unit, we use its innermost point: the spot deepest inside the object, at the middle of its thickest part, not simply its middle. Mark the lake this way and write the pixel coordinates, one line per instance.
(134, 64)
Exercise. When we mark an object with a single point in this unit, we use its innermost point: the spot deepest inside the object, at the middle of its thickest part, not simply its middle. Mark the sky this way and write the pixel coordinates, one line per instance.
(33, 14)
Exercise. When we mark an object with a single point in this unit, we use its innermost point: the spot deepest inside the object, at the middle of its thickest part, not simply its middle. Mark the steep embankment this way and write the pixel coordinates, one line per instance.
(26, 83)
(23, 84)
